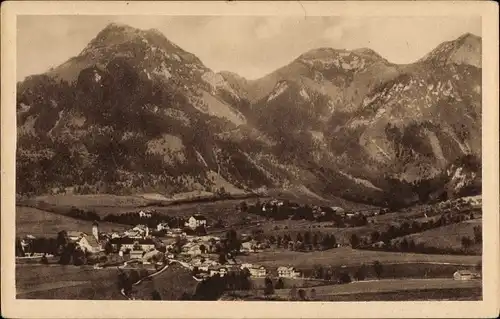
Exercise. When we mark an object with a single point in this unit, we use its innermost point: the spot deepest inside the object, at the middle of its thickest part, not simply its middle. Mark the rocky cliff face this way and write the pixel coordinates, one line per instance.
(134, 112)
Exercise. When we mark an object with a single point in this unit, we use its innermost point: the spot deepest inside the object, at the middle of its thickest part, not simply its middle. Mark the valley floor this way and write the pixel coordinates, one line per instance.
(405, 275)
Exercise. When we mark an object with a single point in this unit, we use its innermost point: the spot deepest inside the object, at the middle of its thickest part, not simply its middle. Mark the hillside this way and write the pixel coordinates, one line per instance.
(39, 223)
(135, 113)
(175, 283)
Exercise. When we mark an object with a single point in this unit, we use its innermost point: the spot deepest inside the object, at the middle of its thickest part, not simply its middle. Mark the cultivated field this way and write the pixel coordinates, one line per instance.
(388, 285)
(66, 282)
(454, 294)
(350, 257)
(40, 223)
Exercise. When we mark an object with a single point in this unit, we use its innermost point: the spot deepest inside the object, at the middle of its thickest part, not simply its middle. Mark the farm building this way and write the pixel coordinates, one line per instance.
(255, 270)
(196, 221)
(465, 275)
(288, 272)
(136, 254)
(258, 271)
(214, 270)
(131, 243)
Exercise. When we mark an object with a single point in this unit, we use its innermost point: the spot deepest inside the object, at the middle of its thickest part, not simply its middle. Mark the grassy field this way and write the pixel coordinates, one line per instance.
(349, 257)
(451, 294)
(66, 282)
(259, 283)
(171, 284)
(41, 223)
(449, 236)
(378, 290)
(386, 286)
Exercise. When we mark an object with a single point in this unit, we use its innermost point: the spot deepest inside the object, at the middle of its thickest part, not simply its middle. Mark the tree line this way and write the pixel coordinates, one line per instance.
(294, 211)
(305, 241)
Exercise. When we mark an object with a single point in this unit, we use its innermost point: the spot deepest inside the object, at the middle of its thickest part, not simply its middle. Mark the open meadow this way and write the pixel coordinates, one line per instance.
(172, 284)
(386, 286)
(40, 223)
(351, 257)
(449, 237)
(66, 282)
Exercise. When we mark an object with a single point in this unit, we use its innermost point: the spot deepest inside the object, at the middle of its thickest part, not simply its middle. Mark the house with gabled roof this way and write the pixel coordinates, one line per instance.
(196, 221)
(75, 235)
(288, 272)
(466, 275)
(125, 243)
(90, 244)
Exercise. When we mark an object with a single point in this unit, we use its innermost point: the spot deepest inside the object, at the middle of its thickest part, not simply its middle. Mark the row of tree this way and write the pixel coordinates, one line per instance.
(306, 241)
(214, 287)
(406, 228)
(342, 276)
(294, 211)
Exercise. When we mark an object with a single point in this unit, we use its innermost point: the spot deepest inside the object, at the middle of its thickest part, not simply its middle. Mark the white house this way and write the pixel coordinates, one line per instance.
(465, 275)
(203, 267)
(258, 271)
(288, 272)
(222, 271)
(144, 214)
(133, 234)
(90, 244)
(136, 254)
(196, 221)
(131, 243)
(246, 265)
(248, 246)
(162, 226)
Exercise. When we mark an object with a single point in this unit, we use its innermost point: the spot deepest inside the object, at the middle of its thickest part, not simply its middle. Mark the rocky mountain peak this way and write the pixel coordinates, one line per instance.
(465, 49)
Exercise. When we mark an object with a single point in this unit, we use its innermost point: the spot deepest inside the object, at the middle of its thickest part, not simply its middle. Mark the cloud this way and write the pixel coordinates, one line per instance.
(335, 33)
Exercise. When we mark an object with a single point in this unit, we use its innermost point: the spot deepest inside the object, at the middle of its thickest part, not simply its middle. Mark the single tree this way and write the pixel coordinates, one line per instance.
(279, 284)
(222, 258)
(302, 295)
(312, 294)
(354, 241)
(360, 273)
(108, 248)
(155, 295)
(203, 249)
(478, 234)
(293, 293)
(466, 243)
(377, 267)
(344, 278)
(269, 288)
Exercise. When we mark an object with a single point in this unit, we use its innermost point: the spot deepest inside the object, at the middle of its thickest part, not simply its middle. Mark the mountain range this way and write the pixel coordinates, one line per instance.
(135, 113)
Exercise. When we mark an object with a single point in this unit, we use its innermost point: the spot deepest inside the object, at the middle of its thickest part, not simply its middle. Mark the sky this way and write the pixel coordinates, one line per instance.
(249, 46)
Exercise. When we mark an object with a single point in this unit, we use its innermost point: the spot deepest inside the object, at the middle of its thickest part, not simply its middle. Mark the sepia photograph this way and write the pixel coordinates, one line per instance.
(294, 158)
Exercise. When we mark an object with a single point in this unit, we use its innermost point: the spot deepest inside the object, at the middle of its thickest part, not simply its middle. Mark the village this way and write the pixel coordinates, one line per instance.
(150, 242)
(144, 247)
